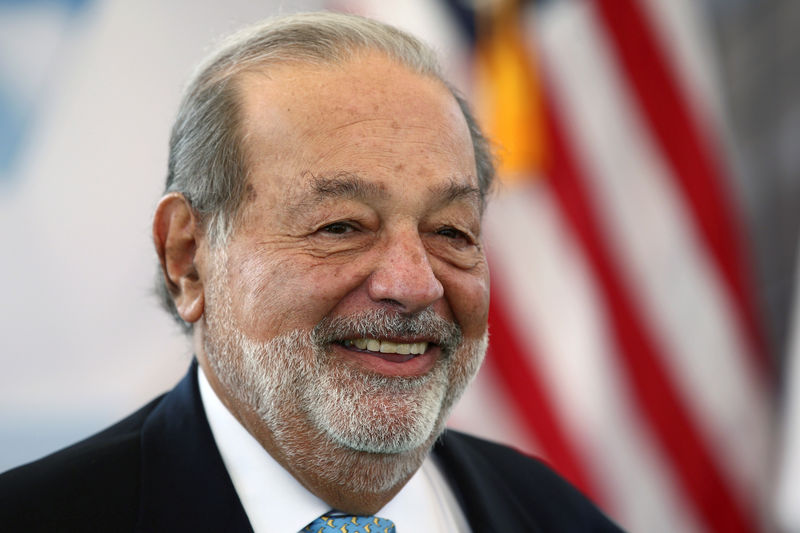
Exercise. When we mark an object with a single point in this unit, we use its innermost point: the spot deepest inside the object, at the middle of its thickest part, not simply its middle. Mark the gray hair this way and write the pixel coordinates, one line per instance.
(207, 161)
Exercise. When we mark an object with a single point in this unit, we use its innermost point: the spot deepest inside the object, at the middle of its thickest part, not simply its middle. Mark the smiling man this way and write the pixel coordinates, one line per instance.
(320, 239)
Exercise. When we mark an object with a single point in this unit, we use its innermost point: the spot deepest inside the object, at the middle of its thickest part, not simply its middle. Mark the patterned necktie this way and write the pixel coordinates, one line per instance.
(328, 523)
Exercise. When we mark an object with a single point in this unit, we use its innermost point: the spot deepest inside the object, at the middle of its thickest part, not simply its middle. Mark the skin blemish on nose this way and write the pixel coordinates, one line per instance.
(399, 167)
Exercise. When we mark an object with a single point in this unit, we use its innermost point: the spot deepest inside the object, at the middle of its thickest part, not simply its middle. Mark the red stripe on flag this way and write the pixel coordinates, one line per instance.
(663, 408)
(513, 362)
(691, 159)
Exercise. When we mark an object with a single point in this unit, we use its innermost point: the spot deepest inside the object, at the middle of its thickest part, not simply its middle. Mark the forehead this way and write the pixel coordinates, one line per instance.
(370, 116)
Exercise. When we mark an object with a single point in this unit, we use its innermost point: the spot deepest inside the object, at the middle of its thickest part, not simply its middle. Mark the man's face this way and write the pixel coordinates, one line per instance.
(351, 300)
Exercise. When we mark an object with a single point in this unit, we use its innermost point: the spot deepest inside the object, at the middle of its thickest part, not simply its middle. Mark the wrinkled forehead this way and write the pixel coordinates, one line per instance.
(368, 110)
(367, 85)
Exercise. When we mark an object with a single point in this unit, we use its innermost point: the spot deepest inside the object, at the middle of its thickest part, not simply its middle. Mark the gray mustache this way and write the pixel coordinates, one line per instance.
(382, 323)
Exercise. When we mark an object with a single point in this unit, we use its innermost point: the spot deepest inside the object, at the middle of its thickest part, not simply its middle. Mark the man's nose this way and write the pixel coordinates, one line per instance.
(403, 275)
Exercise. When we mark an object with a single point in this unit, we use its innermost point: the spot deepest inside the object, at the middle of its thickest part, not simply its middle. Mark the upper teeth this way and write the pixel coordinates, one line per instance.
(374, 345)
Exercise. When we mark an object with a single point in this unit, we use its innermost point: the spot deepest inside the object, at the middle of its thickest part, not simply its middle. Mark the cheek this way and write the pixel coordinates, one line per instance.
(468, 295)
(278, 295)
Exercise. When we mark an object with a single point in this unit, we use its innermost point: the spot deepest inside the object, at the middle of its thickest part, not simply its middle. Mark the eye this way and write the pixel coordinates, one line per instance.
(455, 235)
(337, 228)
(451, 233)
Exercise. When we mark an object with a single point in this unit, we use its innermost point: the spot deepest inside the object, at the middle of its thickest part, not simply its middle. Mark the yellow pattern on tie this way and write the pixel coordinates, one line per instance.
(349, 524)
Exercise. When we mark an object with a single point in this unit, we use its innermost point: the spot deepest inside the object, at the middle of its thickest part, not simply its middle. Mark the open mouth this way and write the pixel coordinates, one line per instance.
(397, 352)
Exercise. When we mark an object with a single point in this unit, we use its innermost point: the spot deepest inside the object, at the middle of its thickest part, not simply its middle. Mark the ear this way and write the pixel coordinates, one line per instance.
(176, 235)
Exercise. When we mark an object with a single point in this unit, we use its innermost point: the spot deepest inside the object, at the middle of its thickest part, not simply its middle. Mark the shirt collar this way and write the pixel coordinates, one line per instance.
(272, 498)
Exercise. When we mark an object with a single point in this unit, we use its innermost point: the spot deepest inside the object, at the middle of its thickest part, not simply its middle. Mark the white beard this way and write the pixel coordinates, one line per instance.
(322, 413)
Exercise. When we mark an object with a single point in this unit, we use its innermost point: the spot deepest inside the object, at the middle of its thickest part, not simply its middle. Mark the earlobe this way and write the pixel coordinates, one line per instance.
(176, 237)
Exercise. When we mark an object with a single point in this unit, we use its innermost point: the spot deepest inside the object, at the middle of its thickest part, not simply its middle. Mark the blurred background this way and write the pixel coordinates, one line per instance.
(643, 240)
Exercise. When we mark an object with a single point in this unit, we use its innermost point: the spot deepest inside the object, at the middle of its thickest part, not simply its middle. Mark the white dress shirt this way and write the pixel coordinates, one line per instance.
(275, 502)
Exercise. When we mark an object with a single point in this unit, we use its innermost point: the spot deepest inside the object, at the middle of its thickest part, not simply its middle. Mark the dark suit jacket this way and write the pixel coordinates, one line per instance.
(159, 470)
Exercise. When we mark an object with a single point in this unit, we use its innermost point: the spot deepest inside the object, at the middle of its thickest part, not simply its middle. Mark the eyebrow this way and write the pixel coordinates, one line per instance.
(350, 185)
(345, 185)
(455, 191)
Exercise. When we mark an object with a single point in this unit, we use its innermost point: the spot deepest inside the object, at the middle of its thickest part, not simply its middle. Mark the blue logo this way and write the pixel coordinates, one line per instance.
(32, 38)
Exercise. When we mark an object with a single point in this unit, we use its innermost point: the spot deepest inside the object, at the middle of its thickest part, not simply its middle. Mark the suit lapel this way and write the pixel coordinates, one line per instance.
(485, 499)
(185, 486)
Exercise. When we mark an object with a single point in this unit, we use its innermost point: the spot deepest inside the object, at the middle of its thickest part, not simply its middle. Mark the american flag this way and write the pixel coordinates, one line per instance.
(625, 345)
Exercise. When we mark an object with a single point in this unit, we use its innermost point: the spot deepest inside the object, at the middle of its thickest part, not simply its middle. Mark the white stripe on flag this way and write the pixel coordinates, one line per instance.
(786, 505)
(680, 23)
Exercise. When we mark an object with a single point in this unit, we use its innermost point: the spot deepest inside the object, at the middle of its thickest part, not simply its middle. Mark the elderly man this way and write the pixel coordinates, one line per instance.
(320, 237)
